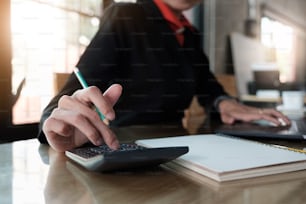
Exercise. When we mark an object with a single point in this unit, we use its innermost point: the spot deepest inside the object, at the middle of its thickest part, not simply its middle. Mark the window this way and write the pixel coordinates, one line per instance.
(47, 37)
(285, 35)
(281, 38)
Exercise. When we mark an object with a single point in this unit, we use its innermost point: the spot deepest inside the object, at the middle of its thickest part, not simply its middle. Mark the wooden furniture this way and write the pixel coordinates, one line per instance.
(34, 173)
(59, 80)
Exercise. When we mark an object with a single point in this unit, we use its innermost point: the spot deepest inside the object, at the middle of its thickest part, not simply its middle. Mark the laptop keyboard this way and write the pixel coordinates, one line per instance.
(298, 126)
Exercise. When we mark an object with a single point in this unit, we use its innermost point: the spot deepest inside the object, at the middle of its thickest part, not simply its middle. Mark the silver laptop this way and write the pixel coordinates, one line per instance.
(297, 130)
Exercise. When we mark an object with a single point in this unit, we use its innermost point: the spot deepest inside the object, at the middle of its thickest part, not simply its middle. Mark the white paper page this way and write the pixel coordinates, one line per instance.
(223, 154)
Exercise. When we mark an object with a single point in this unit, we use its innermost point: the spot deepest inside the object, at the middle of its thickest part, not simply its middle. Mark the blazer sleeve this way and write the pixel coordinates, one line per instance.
(208, 88)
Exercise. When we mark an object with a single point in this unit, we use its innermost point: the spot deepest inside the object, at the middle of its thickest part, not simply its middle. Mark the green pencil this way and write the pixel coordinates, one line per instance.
(85, 85)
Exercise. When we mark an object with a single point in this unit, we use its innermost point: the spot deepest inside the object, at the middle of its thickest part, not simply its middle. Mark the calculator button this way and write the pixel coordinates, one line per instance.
(104, 149)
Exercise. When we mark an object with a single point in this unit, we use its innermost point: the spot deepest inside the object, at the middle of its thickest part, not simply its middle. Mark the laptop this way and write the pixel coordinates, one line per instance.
(297, 130)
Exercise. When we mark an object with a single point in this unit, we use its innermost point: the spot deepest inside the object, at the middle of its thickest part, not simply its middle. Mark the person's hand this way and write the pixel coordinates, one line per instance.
(232, 111)
(76, 122)
(192, 120)
(194, 117)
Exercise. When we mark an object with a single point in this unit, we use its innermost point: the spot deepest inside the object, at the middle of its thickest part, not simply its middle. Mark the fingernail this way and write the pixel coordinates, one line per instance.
(282, 122)
(115, 144)
(99, 142)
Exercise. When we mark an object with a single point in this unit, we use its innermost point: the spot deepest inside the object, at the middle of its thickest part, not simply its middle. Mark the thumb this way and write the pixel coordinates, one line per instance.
(113, 93)
(227, 119)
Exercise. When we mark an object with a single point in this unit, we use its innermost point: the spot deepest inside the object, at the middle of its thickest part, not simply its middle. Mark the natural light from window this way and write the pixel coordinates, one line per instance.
(47, 38)
(281, 39)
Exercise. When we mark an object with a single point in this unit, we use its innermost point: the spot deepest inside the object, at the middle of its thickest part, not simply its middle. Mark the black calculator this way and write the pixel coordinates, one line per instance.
(128, 156)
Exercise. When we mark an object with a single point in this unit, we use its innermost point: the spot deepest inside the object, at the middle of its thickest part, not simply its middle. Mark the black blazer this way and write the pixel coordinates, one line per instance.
(136, 48)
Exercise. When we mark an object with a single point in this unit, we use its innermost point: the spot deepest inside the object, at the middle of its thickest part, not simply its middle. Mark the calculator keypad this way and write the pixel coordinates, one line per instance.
(94, 151)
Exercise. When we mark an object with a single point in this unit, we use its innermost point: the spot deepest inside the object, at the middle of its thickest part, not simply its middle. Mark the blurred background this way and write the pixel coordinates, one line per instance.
(41, 41)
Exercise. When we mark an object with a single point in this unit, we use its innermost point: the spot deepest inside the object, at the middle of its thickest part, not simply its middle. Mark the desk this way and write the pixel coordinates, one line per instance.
(34, 173)
(254, 98)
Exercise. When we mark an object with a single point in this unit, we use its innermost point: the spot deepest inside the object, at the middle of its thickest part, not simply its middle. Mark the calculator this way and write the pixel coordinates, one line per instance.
(129, 156)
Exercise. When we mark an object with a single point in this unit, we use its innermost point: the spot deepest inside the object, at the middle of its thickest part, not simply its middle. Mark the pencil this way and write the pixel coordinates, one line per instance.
(291, 149)
(85, 85)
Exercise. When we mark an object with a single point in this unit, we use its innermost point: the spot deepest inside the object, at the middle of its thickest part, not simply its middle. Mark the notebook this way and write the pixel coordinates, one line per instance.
(297, 130)
(226, 158)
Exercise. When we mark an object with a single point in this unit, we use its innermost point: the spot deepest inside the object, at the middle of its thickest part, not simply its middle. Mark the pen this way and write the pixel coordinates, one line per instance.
(85, 85)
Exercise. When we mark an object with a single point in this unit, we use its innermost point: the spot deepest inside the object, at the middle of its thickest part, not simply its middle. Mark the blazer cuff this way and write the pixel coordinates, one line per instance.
(221, 98)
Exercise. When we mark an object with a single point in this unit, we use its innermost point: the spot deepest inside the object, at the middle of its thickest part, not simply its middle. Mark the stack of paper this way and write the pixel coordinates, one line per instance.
(225, 158)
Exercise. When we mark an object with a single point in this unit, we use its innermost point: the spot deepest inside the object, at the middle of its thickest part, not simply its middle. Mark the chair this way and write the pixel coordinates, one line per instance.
(59, 80)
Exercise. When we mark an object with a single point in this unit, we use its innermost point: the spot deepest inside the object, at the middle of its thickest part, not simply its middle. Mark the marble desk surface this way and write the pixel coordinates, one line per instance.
(34, 173)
